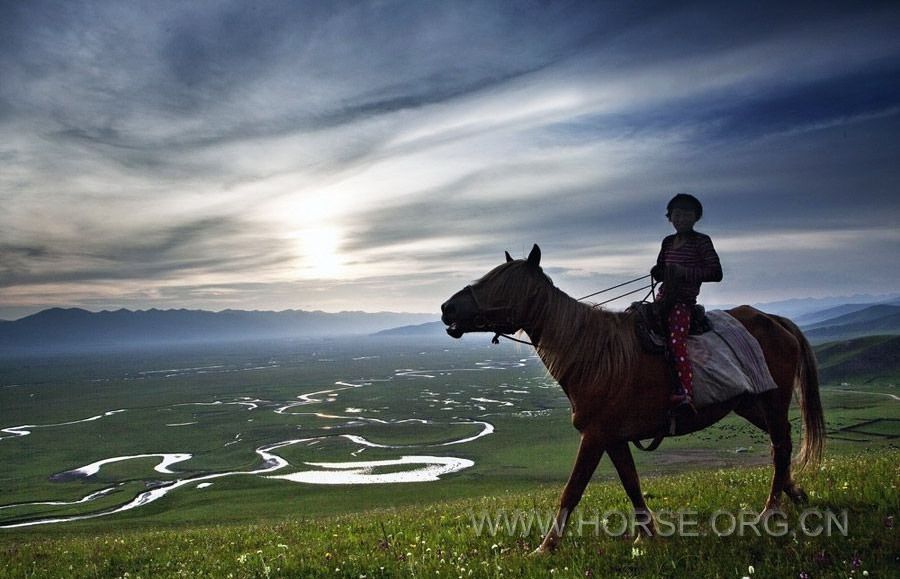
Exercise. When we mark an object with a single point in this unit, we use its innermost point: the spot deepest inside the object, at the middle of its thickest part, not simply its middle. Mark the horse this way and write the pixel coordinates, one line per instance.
(619, 393)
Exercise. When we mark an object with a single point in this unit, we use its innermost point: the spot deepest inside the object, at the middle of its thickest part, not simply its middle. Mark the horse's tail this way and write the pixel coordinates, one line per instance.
(806, 385)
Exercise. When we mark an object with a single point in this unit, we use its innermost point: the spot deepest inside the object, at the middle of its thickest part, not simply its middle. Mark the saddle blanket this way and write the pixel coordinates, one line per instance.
(727, 362)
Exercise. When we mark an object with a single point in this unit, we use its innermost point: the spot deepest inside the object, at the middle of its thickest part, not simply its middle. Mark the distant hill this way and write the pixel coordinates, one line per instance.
(75, 328)
(811, 318)
(874, 314)
(426, 329)
(859, 359)
(811, 310)
(873, 320)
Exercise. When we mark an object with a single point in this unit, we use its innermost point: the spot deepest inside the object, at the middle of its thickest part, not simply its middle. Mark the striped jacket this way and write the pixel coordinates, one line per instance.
(698, 260)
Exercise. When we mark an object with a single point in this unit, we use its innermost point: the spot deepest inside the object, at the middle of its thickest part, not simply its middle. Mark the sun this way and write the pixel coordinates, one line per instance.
(320, 252)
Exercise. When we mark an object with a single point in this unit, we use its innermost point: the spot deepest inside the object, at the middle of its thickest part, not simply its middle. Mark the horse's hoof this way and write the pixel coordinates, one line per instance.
(547, 547)
(769, 512)
(645, 523)
(797, 495)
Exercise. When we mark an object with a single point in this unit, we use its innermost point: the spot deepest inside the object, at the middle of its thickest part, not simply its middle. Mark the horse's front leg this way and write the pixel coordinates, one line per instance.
(589, 454)
(620, 454)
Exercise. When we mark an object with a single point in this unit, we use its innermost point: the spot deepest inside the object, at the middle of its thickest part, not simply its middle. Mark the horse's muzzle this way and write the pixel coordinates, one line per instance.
(454, 332)
(451, 311)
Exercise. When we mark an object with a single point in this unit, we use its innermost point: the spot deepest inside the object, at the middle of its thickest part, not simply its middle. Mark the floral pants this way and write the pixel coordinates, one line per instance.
(679, 327)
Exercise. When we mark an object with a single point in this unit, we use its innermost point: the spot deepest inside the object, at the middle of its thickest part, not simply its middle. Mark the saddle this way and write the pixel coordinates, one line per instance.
(650, 325)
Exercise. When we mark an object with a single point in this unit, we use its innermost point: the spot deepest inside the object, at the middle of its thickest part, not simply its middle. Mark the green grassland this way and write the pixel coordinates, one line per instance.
(248, 525)
(442, 538)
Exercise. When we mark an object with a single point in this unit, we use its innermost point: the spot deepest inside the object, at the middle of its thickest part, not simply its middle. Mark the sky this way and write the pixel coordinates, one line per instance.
(380, 155)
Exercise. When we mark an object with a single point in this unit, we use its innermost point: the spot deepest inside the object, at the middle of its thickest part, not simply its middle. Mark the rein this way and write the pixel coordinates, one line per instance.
(508, 320)
(603, 291)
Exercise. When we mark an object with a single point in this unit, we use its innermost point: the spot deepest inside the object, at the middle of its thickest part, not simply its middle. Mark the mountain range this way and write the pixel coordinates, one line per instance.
(809, 310)
(75, 328)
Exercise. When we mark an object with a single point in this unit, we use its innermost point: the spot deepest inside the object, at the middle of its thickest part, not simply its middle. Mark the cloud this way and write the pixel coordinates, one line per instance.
(166, 152)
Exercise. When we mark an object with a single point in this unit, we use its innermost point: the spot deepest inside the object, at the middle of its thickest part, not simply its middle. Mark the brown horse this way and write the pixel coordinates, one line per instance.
(619, 393)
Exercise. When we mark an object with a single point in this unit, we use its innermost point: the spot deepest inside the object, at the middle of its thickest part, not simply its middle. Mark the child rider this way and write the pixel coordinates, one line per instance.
(685, 260)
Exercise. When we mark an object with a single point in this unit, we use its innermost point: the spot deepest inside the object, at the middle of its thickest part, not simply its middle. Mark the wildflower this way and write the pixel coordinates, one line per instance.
(804, 575)
(856, 563)
(889, 522)
(636, 552)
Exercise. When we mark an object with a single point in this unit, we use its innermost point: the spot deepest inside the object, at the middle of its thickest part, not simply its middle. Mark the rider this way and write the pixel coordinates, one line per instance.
(685, 260)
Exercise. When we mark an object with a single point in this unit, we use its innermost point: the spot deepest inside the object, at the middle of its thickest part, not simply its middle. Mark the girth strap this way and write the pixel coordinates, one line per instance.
(652, 446)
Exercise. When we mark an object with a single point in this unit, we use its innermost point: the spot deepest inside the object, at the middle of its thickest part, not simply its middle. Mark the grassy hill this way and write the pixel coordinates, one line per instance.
(452, 539)
(861, 359)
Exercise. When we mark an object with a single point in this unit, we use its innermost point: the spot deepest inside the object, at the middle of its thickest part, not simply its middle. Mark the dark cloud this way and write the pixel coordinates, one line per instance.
(821, 102)
(204, 246)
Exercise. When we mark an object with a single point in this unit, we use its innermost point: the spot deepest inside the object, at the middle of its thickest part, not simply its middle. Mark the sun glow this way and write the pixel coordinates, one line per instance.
(320, 253)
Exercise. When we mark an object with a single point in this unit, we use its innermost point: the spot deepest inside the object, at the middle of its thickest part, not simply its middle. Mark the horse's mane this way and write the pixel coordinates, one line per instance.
(580, 344)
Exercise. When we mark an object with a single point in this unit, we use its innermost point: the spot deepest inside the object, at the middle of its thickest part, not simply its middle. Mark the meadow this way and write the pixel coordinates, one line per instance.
(376, 400)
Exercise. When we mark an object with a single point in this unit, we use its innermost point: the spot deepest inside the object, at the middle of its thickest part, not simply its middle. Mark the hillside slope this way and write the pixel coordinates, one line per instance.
(869, 322)
(870, 314)
(862, 359)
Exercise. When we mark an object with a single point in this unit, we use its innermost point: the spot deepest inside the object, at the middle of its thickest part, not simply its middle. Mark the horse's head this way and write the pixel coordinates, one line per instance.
(499, 301)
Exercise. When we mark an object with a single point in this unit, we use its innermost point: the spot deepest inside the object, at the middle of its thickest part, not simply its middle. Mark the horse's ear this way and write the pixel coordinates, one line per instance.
(534, 258)
(508, 257)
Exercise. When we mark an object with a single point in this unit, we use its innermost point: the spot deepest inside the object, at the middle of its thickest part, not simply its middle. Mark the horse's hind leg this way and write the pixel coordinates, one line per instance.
(779, 428)
(761, 413)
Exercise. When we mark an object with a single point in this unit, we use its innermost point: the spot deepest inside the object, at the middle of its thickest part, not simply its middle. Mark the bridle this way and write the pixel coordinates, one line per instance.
(500, 320)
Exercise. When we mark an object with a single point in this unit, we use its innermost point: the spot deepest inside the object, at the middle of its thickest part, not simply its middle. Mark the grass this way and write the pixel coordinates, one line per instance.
(249, 526)
(439, 539)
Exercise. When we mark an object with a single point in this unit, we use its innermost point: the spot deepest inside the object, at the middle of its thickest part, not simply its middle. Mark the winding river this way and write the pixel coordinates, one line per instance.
(421, 467)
